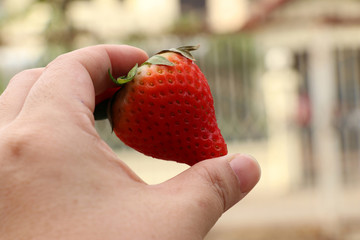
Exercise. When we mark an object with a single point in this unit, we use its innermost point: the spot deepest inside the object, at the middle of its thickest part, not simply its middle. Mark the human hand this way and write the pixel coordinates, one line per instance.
(60, 180)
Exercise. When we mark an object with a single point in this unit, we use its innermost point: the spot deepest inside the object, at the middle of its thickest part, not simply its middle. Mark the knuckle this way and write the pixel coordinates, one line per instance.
(15, 141)
(26, 74)
(59, 59)
(218, 185)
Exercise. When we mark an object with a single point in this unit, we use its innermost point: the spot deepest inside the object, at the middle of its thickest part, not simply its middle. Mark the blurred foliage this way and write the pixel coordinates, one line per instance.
(2, 86)
(188, 24)
(60, 32)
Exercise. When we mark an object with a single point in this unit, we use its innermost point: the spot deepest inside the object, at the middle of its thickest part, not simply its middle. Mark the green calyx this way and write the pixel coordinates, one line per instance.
(184, 50)
(124, 79)
(157, 59)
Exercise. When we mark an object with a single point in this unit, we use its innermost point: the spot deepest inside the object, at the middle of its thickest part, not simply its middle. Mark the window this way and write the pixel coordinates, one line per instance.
(192, 5)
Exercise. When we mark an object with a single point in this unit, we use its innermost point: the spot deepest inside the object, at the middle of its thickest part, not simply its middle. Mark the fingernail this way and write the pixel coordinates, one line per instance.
(247, 170)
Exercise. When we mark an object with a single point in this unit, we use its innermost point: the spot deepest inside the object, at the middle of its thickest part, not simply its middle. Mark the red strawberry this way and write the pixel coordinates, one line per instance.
(166, 110)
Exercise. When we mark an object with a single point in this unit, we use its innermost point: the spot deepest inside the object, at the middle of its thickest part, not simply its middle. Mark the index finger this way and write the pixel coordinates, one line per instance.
(74, 79)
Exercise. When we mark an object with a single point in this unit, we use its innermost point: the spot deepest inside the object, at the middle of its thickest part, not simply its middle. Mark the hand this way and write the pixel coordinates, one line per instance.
(60, 180)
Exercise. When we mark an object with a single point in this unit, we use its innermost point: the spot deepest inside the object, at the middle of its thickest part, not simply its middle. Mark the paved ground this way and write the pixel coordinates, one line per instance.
(297, 215)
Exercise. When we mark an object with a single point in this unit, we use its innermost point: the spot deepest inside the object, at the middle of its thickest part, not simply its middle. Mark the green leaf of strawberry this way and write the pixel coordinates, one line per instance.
(165, 109)
(158, 60)
(129, 77)
(184, 50)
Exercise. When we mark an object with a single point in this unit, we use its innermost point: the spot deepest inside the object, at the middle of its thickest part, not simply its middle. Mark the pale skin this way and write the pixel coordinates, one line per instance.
(60, 180)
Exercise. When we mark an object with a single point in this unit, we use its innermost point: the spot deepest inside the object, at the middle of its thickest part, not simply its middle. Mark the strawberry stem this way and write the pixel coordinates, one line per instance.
(124, 79)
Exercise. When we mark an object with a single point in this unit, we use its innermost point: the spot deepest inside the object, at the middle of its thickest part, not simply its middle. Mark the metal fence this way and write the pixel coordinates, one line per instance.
(347, 114)
(345, 119)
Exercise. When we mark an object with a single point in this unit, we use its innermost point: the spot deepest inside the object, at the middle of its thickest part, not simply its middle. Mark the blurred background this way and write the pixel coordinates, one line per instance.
(285, 75)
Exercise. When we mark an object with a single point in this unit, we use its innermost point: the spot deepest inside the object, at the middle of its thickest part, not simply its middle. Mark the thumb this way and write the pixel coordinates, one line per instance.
(211, 187)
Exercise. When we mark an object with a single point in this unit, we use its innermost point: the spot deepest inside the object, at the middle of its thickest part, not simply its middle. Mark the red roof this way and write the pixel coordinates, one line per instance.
(262, 10)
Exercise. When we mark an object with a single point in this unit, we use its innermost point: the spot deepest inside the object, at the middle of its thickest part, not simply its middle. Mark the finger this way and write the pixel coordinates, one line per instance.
(13, 98)
(211, 187)
(72, 80)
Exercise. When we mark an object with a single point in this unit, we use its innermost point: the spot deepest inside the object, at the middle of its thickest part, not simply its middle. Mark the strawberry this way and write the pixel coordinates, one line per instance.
(166, 110)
